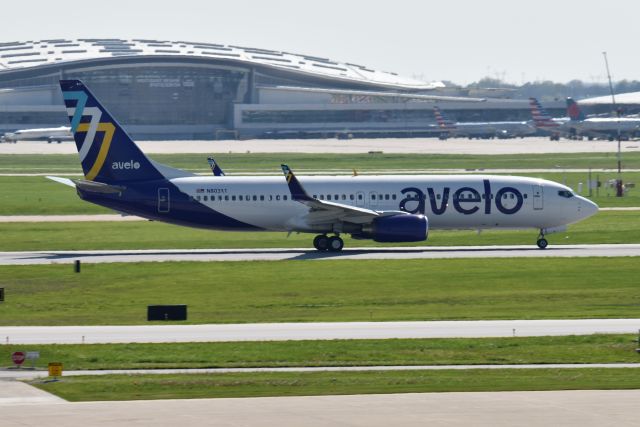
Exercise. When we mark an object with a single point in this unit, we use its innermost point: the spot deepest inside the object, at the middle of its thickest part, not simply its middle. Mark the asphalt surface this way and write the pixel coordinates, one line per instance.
(27, 374)
(312, 331)
(496, 409)
(360, 145)
(279, 254)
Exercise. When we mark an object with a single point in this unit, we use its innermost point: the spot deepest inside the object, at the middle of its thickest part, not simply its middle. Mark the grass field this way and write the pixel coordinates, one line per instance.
(605, 227)
(270, 163)
(191, 386)
(459, 351)
(292, 291)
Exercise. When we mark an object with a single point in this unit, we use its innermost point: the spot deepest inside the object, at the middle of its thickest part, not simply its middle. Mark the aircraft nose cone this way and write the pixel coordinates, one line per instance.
(587, 208)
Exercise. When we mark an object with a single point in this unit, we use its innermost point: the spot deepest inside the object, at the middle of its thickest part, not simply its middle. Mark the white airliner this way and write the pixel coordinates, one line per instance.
(59, 134)
(396, 208)
(577, 125)
(482, 130)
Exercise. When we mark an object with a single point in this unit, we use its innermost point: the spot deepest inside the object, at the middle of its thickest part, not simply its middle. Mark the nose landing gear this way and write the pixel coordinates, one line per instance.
(324, 243)
(542, 242)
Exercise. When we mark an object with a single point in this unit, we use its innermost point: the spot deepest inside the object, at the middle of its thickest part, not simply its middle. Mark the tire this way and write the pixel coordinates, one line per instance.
(542, 243)
(335, 244)
(321, 242)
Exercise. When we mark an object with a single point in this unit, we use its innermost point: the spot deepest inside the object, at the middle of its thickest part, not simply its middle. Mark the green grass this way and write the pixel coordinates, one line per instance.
(459, 351)
(185, 386)
(605, 227)
(294, 291)
(269, 162)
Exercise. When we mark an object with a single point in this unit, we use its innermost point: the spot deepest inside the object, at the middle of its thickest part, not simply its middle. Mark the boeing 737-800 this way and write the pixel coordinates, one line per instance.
(397, 208)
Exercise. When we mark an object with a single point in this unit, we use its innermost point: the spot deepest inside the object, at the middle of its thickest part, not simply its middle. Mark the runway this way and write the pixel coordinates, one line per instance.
(495, 409)
(312, 331)
(27, 374)
(280, 254)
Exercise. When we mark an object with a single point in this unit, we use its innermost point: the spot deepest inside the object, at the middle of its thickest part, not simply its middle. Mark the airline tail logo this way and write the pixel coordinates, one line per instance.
(573, 110)
(541, 118)
(125, 165)
(87, 128)
(442, 121)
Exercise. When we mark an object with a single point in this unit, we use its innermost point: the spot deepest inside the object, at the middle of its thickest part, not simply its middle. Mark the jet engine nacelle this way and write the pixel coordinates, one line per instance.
(397, 228)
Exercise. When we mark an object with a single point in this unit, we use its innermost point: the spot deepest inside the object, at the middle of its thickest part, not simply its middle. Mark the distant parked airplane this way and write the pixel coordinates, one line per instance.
(62, 133)
(386, 208)
(484, 130)
(576, 125)
(600, 127)
(555, 127)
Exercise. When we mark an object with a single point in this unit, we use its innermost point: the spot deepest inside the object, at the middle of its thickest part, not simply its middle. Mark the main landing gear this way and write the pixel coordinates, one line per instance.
(542, 242)
(324, 243)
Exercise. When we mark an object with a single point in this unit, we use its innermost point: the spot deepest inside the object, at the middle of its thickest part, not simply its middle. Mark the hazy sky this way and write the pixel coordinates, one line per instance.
(460, 41)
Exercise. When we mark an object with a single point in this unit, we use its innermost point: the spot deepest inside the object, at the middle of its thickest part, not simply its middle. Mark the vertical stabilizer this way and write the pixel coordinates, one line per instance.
(107, 153)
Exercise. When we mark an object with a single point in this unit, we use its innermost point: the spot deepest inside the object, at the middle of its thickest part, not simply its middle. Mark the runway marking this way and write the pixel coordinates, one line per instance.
(279, 254)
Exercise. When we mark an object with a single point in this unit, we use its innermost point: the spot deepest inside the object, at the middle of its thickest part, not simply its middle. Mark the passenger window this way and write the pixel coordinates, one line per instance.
(233, 198)
(373, 197)
(337, 197)
(386, 197)
(278, 197)
(262, 198)
(511, 196)
(206, 198)
(270, 197)
(438, 197)
(284, 197)
(351, 197)
(328, 196)
(359, 196)
(315, 197)
(198, 197)
(240, 198)
(322, 197)
(344, 197)
(393, 197)
(226, 198)
(524, 195)
(255, 198)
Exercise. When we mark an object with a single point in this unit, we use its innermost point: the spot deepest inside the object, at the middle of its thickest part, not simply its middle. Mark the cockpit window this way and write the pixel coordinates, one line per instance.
(565, 193)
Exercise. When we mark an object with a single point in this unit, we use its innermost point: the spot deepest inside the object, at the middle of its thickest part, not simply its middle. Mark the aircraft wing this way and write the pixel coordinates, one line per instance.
(322, 212)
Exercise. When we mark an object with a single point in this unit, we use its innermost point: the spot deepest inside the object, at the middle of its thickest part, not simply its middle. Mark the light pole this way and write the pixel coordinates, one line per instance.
(619, 186)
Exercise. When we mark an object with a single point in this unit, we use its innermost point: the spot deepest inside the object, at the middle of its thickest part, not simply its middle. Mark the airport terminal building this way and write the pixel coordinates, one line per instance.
(187, 90)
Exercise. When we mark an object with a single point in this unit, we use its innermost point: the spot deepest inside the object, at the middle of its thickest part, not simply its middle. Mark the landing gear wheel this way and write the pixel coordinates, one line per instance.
(542, 243)
(336, 244)
(321, 242)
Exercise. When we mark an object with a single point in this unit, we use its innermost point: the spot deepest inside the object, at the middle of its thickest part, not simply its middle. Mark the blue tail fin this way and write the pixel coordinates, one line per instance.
(106, 152)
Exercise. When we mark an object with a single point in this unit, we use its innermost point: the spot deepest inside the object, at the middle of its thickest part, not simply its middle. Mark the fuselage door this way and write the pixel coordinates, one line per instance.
(538, 199)
(163, 200)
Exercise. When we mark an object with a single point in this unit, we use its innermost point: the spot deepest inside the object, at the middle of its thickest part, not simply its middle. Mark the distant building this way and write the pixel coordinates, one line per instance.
(186, 90)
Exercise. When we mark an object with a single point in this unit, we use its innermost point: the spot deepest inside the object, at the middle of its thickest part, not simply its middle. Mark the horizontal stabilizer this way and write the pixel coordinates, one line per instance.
(65, 181)
(98, 187)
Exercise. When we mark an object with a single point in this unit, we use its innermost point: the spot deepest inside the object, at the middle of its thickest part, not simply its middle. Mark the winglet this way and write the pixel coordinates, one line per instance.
(217, 170)
(296, 189)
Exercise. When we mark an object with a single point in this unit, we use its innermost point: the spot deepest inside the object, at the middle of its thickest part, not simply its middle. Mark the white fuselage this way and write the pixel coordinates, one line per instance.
(448, 201)
(62, 133)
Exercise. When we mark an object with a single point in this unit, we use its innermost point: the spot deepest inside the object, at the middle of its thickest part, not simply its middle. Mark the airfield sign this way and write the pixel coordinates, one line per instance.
(18, 357)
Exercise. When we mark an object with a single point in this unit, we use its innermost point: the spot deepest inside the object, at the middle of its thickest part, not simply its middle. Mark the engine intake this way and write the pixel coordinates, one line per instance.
(396, 229)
